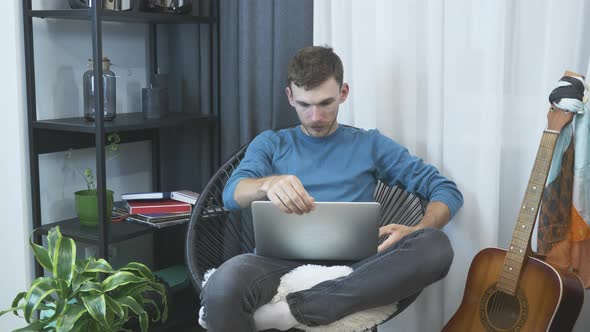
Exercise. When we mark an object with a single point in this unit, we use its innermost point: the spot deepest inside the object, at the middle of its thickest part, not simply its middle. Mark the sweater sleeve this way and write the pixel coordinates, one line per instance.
(257, 163)
(397, 167)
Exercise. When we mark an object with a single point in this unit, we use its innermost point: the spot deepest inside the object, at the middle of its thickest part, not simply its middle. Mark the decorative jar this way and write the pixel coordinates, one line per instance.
(109, 91)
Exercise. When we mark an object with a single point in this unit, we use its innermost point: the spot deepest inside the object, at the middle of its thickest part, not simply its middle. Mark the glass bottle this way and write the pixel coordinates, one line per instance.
(109, 91)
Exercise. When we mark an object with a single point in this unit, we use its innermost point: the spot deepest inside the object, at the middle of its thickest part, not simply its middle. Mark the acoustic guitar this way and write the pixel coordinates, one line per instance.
(510, 290)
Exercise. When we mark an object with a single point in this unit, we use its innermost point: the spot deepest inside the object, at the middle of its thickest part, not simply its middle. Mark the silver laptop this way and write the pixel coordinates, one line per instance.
(332, 231)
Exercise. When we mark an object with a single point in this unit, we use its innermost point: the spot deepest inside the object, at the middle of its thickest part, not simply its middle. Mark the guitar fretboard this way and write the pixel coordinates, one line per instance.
(517, 251)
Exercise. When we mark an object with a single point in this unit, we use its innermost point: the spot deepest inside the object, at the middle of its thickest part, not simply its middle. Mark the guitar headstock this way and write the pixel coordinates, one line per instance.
(558, 118)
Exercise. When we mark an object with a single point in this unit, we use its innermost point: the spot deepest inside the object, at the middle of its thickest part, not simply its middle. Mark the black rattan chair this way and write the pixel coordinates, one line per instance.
(215, 235)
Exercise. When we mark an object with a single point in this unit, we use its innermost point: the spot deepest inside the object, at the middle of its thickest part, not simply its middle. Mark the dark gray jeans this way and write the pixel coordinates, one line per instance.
(246, 282)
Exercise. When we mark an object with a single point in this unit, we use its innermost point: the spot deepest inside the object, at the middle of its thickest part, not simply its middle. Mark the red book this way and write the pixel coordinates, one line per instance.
(163, 206)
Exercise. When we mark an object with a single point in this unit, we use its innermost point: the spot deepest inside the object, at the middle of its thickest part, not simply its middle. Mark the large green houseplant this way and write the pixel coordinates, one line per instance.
(76, 298)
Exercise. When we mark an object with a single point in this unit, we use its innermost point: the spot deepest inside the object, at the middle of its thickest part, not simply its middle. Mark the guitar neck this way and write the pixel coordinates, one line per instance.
(517, 251)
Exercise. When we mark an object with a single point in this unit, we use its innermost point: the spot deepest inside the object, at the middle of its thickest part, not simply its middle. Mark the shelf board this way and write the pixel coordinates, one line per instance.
(118, 231)
(123, 122)
(121, 16)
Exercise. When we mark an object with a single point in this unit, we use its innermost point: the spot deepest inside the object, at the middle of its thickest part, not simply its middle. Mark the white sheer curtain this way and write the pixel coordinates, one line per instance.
(463, 84)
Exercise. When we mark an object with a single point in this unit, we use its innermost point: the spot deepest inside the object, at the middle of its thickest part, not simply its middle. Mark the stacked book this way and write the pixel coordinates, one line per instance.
(157, 209)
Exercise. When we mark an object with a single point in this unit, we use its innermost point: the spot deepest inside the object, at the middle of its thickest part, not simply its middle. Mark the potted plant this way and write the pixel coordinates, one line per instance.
(76, 298)
(87, 200)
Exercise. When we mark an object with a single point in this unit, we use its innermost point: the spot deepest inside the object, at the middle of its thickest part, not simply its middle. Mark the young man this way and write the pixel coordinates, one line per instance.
(321, 160)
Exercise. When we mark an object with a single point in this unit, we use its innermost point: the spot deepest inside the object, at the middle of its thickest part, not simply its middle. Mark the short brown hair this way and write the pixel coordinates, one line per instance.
(313, 65)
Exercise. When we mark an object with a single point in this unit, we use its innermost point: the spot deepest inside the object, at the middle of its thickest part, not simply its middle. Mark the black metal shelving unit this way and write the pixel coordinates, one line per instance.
(54, 135)
(119, 231)
(123, 122)
(120, 16)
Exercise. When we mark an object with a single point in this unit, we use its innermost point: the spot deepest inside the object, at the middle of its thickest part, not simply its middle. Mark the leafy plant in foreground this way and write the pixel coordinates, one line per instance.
(77, 299)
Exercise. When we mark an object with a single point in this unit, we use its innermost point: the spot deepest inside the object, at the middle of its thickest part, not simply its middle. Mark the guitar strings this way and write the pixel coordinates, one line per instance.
(501, 297)
(494, 307)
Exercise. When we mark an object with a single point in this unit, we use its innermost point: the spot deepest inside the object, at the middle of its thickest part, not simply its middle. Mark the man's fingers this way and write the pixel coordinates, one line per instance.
(296, 200)
(291, 191)
(385, 244)
(306, 199)
(391, 239)
(289, 195)
(276, 200)
(288, 201)
(386, 230)
(393, 232)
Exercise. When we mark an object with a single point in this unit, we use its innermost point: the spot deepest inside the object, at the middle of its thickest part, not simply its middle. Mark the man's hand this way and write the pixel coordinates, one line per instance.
(394, 233)
(437, 215)
(288, 194)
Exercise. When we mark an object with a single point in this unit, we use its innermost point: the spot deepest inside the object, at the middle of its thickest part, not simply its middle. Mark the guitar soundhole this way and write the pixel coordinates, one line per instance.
(503, 312)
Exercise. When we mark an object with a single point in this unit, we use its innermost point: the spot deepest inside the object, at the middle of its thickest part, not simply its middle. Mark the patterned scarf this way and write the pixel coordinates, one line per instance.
(564, 231)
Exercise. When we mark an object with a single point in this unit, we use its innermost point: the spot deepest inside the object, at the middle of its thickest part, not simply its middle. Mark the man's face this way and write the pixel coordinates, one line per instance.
(317, 108)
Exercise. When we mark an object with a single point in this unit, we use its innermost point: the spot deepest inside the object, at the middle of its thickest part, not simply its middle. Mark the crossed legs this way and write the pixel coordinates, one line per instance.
(239, 287)
(246, 282)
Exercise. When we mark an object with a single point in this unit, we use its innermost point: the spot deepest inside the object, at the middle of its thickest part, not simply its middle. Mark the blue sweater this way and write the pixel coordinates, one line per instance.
(342, 167)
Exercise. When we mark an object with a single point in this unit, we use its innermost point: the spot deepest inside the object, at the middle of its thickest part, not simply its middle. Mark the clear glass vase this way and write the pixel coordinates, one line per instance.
(109, 91)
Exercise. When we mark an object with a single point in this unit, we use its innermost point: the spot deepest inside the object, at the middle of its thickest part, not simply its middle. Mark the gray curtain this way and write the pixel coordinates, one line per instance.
(188, 153)
(258, 38)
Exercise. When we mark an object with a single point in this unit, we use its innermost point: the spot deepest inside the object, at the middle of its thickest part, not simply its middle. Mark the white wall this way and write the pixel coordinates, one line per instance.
(14, 195)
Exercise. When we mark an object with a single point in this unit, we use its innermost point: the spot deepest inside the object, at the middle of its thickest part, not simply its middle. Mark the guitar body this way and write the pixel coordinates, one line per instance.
(546, 300)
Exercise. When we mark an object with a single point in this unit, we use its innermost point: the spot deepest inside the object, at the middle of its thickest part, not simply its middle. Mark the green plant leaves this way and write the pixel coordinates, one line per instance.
(64, 259)
(91, 287)
(96, 307)
(12, 309)
(139, 269)
(58, 310)
(67, 321)
(115, 307)
(156, 308)
(39, 290)
(34, 327)
(114, 141)
(99, 266)
(120, 279)
(89, 177)
(132, 304)
(15, 306)
(52, 236)
(41, 255)
(162, 291)
(79, 280)
(75, 299)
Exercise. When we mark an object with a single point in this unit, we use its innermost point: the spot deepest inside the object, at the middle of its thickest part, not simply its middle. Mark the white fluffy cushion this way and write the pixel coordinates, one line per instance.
(307, 276)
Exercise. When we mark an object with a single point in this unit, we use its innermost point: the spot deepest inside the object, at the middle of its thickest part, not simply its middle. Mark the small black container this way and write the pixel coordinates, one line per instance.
(154, 103)
(80, 4)
(106, 4)
(167, 6)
